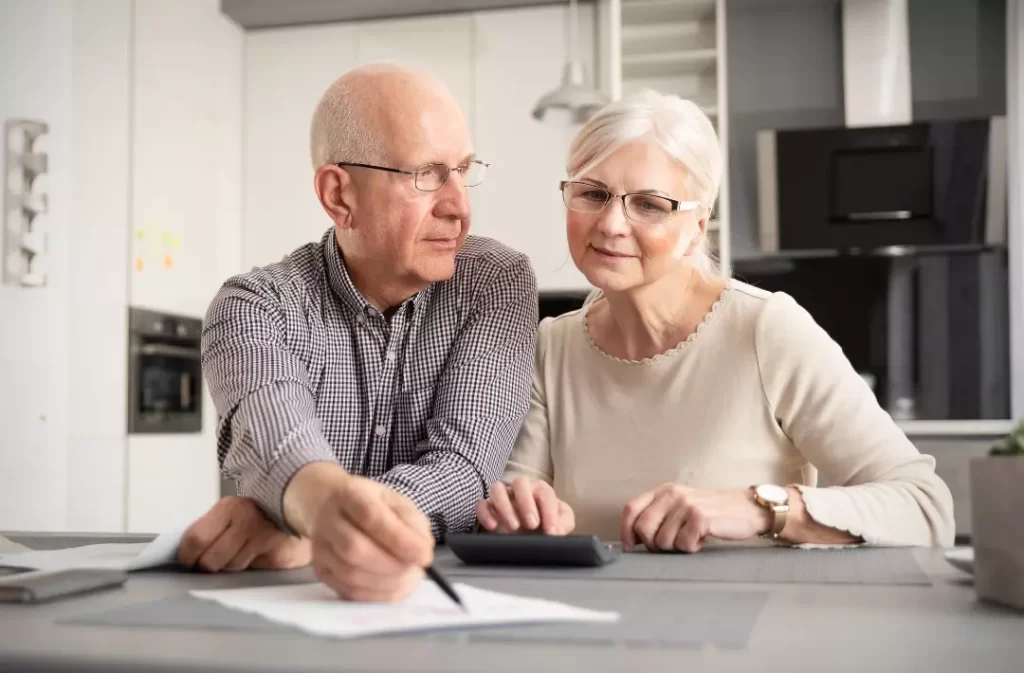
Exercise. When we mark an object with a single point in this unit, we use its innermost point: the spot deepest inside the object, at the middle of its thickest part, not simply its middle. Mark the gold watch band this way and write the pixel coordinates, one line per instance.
(779, 523)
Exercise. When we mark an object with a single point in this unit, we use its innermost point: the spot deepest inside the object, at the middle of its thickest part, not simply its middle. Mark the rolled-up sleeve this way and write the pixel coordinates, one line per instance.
(268, 428)
(479, 405)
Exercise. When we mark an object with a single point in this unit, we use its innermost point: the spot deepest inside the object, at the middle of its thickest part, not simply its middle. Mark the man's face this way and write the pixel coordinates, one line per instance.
(415, 233)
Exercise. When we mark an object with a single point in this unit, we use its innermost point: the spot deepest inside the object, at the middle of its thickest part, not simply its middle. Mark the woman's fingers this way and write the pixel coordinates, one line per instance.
(523, 496)
(665, 538)
(486, 516)
(502, 503)
(547, 502)
(630, 513)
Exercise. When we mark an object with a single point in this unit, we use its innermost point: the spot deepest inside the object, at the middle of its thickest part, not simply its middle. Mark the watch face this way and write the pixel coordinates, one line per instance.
(772, 493)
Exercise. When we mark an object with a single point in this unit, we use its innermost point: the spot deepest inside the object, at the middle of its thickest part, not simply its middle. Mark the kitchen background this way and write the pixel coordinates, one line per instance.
(156, 147)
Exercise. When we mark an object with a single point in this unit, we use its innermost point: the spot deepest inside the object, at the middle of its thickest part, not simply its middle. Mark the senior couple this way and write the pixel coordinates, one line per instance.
(390, 384)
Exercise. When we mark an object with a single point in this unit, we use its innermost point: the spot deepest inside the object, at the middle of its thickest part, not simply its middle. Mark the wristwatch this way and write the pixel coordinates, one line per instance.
(775, 499)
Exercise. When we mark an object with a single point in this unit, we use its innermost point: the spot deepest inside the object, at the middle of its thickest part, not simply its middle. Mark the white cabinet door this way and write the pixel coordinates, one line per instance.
(185, 142)
(286, 72)
(518, 57)
(186, 205)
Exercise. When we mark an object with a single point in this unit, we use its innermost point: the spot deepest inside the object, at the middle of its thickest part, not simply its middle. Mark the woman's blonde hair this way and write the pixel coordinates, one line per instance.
(678, 126)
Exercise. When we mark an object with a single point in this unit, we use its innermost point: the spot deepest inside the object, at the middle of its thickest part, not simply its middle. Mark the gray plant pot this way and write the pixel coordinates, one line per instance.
(997, 522)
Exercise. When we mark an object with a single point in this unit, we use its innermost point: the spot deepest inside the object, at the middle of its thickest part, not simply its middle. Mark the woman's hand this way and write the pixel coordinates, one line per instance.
(528, 504)
(677, 518)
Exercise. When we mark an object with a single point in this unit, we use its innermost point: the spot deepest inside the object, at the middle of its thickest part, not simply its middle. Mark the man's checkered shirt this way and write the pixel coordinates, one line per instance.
(427, 400)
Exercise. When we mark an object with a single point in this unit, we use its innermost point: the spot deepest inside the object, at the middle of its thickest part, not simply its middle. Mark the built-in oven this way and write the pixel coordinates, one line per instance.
(164, 373)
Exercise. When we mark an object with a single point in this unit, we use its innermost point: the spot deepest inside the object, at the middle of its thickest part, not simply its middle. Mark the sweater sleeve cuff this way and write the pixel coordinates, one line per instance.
(305, 448)
(835, 508)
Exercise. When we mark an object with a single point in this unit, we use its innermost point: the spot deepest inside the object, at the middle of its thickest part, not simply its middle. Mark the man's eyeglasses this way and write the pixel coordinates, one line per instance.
(432, 177)
(584, 197)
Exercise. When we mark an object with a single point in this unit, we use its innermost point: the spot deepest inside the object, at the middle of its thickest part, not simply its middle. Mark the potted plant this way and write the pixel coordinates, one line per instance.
(997, 521)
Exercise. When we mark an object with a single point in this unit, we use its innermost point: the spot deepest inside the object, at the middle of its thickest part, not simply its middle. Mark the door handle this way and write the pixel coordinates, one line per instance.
(171, 351)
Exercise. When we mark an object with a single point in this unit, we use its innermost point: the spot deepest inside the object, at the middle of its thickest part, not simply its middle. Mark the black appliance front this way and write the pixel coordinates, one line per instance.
(164, 373)
(926, 184)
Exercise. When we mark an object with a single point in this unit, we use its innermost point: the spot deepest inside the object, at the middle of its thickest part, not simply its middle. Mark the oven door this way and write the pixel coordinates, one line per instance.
(166, 388)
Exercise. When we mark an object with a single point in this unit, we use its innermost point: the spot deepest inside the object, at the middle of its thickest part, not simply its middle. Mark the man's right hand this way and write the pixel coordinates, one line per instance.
(235, 535)
(370, 543)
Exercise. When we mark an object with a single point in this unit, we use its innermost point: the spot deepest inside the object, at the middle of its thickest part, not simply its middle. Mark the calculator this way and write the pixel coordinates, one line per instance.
(532, 549)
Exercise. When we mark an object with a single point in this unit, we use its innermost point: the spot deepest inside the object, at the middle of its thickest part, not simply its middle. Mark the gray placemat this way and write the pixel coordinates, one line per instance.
(863, 565)
(651, 615)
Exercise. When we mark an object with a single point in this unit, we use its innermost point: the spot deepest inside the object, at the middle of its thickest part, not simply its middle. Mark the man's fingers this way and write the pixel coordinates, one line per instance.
(630, 513)
(503, 507)
(244, 557)
(200, 535)
(355, 577)
(287, 551)
(224, 548)
(347, 544)
(526, 509)
(379, 522)
(408, 512)
(358, 582)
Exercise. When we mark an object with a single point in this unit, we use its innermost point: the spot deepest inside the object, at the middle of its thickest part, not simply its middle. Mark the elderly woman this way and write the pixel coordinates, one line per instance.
(678, 406)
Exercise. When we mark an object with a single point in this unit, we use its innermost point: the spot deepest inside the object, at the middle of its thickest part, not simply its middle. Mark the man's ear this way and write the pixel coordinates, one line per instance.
(335, 190)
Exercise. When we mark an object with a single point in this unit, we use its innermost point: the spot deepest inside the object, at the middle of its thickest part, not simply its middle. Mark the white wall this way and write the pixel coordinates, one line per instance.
(144, 101)
(186, 204)
(498, 63)
(286, 72)
(519, 204)
(37, 38)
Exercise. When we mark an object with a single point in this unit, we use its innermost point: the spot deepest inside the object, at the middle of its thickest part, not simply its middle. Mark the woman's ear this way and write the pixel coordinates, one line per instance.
(334, 188)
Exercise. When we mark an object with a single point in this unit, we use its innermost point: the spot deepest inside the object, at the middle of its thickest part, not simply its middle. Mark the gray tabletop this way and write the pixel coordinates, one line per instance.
(797, 627)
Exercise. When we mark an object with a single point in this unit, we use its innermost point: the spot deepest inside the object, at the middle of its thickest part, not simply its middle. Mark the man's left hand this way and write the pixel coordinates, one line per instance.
(235, 535)
(678, 518)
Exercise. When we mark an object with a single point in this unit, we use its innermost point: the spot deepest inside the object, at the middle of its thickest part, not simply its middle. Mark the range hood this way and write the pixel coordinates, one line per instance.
(876, 63)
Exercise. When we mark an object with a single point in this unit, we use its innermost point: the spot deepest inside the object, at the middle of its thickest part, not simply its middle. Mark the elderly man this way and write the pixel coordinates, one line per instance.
(370, 385)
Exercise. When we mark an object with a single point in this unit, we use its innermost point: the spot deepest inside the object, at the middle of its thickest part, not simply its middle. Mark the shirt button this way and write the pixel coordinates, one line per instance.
(380, 430)
(390, 357)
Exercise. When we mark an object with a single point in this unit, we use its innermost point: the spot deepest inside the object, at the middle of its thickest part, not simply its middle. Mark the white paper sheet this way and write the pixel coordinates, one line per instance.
(134, 556)
(314, 608)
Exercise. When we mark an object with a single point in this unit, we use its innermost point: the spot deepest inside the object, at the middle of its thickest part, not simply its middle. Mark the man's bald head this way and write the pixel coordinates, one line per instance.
(366, 108)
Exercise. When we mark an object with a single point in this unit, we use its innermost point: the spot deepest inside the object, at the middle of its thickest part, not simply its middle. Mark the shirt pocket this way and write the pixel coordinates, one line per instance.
(414, 410)
(423, 367)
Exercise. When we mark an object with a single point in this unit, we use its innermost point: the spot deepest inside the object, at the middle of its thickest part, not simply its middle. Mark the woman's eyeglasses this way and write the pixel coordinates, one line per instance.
(584, 197)
(431, 177)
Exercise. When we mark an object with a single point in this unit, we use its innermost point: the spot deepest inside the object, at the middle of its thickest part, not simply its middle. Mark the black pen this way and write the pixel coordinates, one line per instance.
(440, 581)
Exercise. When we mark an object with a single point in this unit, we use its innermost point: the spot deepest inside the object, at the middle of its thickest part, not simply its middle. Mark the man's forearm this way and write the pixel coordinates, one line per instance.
(271, 436)
(444, 485)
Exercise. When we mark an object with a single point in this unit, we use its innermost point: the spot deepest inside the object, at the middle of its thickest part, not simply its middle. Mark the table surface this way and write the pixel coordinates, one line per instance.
(802, 627)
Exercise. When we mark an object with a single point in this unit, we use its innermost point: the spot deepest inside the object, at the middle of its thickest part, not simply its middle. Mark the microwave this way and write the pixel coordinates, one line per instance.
(940, 183)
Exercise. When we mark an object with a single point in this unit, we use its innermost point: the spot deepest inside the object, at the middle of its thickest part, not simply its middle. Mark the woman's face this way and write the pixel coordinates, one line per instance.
(616, 253)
